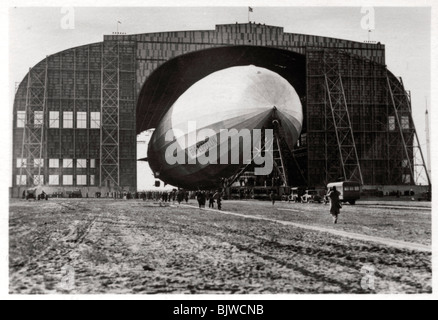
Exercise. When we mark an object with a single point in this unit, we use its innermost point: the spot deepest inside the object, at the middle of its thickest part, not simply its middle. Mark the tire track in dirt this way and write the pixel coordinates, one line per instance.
(336, 255)
(202, 230)
(50, 253)
(350, 235)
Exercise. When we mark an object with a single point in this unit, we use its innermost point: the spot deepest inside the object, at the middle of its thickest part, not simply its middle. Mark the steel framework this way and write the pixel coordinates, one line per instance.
(340, 121)
(413, 159)
(109, 139)
(359, 123)
(274, 145)
(32, 152)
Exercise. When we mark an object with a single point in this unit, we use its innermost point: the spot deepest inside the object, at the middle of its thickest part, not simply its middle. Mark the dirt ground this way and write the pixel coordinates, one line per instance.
(99, 246)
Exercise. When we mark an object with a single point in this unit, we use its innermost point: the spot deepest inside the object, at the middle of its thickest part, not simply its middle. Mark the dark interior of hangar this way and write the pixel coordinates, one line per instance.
(173, 78)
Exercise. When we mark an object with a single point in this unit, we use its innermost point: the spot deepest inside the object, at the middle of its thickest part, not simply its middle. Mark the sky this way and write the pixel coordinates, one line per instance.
(37, 32)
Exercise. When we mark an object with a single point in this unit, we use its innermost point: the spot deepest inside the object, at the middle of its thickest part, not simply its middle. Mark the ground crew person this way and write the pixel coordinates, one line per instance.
(335, 204)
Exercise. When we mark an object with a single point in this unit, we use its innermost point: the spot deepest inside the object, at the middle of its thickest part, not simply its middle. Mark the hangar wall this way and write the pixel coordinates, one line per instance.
(75, 110)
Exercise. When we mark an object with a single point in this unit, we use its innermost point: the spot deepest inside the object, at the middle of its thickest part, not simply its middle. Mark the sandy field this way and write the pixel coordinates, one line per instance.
(99, 246)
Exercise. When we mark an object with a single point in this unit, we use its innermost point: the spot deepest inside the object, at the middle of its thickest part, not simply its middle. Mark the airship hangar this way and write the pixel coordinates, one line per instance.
(77, 113)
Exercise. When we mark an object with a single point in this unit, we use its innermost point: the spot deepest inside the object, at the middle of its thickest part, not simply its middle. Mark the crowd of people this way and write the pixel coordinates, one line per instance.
(180, 196)
(212, 197)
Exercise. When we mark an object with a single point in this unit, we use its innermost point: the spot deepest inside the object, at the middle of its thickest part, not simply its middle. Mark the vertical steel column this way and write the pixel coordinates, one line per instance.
(398, 104)
(109, 139)
(401, 103)
(33, 133)
(349, 159)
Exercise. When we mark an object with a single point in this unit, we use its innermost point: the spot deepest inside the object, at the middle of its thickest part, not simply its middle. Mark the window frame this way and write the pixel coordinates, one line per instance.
(67, 120)
(21, 119)
(67, 163)
(54, 119)
(95, 122)
(81, 120)
(51, 161)
(64, 177)
(50, 180)
(81, 180)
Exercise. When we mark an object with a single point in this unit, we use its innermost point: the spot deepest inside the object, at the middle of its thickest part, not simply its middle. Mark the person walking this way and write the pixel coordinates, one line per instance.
(335, 204)
(211, 201)
(180, 197)
(201, 197)
(272, 196)
(218, 197)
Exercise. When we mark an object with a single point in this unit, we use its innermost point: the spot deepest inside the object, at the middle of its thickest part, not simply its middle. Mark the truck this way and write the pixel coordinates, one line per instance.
(349, 191)
(311, 196)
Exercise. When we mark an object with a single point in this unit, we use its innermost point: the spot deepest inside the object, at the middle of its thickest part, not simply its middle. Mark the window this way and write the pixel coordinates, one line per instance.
(92, 180)
(53, 163)
(406, 179)
(67, 180)
(81, 180)
(405, 163)
(21, 180)
(391, 123)
(54, 119)
(405, 123)
(95, 120)
(81, 120)
(68, 120)
(21, 119)
(38, 163)
(38, 118)
(38, 180)
(54, 180)
(92, 163)
(81, 163)
(21, 163)
(67, 163)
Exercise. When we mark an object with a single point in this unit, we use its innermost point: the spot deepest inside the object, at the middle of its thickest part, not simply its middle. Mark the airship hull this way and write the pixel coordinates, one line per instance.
(237, 99)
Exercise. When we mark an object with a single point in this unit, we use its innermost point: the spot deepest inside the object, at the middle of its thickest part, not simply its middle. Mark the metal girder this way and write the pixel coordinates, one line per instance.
(404, 142)
(271, 145)
(33, 144)
(110, 116)
(340, 122)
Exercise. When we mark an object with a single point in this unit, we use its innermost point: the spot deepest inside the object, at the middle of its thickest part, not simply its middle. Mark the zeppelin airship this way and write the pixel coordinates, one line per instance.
(188, 148)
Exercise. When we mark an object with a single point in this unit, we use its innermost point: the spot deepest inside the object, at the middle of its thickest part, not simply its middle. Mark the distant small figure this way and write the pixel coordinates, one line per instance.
(201, 197)
(326, 197)
(272, 196)
(211, 201)
(186, 197)
(335, 204)
(218, 197)
(180, 197)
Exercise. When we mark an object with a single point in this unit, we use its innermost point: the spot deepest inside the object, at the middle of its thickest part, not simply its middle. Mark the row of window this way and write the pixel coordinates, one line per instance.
(67, 119)
(55, 163)
(404, 123)
(54, 180)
